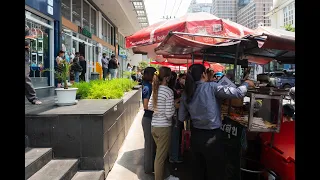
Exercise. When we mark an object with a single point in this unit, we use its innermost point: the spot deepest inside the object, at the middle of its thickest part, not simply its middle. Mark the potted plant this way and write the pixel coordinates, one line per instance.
(65, 96)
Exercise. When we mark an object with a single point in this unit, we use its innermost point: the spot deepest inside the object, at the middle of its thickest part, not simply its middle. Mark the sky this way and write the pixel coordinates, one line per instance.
(156, 9)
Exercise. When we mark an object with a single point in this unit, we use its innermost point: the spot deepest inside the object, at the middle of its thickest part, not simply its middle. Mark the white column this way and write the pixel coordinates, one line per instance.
(99, 33)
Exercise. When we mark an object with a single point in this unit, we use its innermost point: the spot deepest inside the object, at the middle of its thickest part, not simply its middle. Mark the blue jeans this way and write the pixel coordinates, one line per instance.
(76, 76)
(113, 73)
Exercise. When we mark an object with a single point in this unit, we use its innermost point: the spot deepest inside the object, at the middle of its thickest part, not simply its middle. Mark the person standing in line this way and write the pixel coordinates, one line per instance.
(105, 64)
(30, 92)
(201, 102)
(210, 74)
(83, 64)
(75, 69)
(112, 66)
(149, 144)
(176, 125)
(162, 103)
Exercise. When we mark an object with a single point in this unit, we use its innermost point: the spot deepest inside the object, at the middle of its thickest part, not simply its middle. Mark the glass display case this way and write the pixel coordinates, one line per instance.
(265, 113)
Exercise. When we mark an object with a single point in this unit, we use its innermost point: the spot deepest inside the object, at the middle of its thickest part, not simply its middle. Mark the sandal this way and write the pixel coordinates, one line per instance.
(36, 102)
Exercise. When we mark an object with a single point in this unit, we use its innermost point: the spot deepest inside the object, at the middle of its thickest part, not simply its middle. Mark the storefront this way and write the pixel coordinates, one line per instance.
(43, 22)
(80, 33)
(81, 42)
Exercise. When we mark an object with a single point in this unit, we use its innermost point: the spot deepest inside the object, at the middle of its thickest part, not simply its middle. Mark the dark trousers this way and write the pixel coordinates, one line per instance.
(82, 76)
(208, 154)
(105, 73)
(149, 145)
(30, 93)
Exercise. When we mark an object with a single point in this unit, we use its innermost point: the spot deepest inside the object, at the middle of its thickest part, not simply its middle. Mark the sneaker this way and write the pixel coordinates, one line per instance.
(172, 178)
(175, 161)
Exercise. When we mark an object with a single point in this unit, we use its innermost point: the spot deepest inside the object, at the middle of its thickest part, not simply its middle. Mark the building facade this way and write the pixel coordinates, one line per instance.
(43, 21)
(94, 27)
(195, 7)
(282, 13)
(225, 9)
(254, 13)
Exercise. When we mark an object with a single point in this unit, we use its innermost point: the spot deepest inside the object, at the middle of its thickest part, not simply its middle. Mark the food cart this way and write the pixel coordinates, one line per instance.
(261, 115)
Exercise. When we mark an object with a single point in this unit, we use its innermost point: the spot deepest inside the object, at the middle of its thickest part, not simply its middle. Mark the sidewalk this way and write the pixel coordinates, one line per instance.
(129, 164)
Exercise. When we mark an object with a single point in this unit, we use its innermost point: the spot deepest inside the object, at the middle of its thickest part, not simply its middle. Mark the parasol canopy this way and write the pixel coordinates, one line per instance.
(217, 67)
(145, 40)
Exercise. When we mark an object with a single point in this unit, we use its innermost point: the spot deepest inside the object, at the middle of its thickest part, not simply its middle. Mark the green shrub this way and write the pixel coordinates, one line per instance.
(97, 89)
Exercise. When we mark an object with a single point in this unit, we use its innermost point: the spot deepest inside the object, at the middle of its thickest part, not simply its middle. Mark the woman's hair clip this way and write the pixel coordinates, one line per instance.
(156, 73)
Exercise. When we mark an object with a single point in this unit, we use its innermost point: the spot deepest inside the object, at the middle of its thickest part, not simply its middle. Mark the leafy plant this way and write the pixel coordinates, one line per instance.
(288, 27)
(143, 65)
(98, 89)
(63, 72)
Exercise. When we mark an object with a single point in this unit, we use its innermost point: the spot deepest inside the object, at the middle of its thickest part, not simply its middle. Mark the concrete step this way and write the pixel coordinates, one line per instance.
(86, 175)
(35, 159)
(57, 170)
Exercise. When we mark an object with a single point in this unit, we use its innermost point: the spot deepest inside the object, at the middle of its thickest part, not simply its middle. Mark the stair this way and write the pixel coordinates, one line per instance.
(86, 175)
(39, 165)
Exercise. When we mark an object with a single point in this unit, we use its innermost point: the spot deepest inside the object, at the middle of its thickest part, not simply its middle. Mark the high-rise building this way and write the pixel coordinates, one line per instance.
(225, 9)
(253, 14)
(199, 7)
(242, 3)
(282, 13)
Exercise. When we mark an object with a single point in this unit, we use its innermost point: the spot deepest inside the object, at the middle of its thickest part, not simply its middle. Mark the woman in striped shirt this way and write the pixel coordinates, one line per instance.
(162, 103)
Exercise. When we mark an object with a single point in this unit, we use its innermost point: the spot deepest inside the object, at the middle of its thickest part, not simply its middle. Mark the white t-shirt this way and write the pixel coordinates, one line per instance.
(162, 116)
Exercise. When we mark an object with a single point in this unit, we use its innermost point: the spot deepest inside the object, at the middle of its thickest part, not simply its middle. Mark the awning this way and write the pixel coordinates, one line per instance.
(260, 49)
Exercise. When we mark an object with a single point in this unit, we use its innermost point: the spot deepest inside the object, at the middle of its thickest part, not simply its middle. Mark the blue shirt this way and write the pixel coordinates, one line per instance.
(204, 108)
(146, 94)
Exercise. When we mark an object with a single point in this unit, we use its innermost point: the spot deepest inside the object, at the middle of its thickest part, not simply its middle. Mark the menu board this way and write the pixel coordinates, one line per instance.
(232, 135)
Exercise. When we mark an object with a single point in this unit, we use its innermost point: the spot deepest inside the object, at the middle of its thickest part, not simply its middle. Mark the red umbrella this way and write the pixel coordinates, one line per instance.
(197, 23)
(145, 40)
(167, 63)
(217, 67)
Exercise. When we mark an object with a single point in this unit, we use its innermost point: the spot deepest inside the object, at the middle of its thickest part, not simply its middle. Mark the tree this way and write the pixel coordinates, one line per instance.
(144, 64)
(288, 27)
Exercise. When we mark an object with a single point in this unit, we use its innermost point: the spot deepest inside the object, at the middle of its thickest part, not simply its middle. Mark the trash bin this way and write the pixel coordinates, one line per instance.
(94, 76)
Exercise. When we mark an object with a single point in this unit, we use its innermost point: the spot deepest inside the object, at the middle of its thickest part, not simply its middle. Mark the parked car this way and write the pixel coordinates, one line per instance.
(281, 79)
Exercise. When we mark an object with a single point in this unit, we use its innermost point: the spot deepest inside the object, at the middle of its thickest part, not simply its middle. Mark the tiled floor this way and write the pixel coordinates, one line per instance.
(129, 165)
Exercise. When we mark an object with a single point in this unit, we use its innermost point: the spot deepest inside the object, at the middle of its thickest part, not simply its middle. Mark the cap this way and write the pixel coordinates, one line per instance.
(219, 74)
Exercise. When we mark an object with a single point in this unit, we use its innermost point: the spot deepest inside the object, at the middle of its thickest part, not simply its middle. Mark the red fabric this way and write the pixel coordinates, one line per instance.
(284, 141)
(273, 160)
(281, 157)
(200, 23)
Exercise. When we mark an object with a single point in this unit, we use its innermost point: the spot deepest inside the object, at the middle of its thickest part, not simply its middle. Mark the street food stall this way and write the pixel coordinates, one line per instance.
(203, 37)
(261, 114)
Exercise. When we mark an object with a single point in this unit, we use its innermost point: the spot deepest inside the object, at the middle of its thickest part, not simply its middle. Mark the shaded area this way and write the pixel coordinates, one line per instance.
(133, 161)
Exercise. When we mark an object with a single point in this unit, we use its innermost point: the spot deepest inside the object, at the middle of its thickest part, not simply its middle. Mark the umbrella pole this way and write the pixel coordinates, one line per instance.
(236, 62)
(203, 59)
(192, 56)
(234, 73)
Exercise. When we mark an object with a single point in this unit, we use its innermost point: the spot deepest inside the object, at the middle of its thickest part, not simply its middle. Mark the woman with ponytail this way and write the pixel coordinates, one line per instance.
(201, 100)
(149, 145)
(162, 103)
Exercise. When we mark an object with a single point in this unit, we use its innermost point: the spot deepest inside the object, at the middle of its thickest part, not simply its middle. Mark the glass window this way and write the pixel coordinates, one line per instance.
(111, 35)
(93, 21)
(86, 16)
(66, 45)
(39, 53)
(76, 12)
(65, 9)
